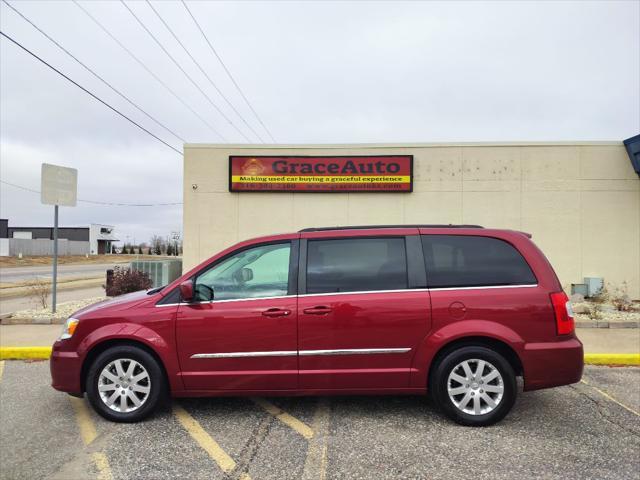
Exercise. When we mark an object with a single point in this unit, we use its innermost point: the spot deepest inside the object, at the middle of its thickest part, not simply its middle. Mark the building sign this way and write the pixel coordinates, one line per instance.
(383, 173)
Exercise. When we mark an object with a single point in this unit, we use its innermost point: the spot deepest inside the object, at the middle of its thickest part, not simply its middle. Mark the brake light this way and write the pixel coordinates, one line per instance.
(563, 312)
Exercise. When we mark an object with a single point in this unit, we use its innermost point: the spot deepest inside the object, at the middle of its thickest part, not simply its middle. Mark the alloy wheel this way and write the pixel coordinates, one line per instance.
(475, 387)
(124, 385)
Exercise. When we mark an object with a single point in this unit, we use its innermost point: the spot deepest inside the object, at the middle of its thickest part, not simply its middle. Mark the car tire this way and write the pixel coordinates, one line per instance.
(125, 384)
(471, 397)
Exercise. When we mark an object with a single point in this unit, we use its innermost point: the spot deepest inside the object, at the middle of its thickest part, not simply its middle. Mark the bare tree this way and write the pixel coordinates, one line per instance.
(39, 290)
(158, 245)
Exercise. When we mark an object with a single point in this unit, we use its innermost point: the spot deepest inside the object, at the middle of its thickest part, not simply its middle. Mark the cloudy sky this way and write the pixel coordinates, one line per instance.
(316, 72)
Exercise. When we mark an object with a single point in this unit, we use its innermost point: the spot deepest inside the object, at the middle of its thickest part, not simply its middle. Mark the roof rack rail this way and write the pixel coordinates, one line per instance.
(361, 227)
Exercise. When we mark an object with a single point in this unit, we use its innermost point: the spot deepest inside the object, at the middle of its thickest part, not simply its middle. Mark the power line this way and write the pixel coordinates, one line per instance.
(95, 202)
(233, 80)
(204, 72)
(142, 64)
(122, 95)
(88, 92)
(213, 104)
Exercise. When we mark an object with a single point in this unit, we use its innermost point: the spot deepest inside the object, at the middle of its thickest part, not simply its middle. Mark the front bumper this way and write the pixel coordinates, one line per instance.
(66, 367)
(552, 364)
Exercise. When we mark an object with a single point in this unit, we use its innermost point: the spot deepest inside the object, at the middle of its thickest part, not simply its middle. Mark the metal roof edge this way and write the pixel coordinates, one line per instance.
(247, 146)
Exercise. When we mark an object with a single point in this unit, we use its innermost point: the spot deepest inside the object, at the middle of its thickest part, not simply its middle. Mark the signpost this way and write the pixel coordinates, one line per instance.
(59, 186)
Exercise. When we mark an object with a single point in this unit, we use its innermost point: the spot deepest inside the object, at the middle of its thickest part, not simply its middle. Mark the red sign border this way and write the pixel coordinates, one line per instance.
(231, 157)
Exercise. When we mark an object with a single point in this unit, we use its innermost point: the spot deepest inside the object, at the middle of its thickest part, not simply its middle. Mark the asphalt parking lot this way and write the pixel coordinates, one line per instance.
(588, 430)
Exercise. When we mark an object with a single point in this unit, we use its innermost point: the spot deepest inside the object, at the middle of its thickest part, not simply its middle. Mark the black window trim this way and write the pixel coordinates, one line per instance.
(495, 285)
(416, 274)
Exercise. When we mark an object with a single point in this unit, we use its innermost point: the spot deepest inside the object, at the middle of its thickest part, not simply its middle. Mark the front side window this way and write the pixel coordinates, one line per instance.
(261, 271)
(470, 261)
(356, 264)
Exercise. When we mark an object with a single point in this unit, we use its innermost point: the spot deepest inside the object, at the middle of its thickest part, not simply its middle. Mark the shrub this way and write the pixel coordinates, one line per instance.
(620, 297)
(602, 296)
(126, 280)
(39, 290)
(594, 310)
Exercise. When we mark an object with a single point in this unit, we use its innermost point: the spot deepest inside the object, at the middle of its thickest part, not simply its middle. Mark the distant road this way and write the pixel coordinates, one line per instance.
(23, 274)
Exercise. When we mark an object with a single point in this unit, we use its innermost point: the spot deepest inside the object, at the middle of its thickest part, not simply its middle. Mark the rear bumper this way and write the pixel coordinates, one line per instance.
(65, 370)
(552, 364)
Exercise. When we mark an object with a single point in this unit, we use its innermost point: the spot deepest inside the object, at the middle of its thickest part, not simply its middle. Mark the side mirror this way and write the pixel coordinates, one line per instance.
(186, 290)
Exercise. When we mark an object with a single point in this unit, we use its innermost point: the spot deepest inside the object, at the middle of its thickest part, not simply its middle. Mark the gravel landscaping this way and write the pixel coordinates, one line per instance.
(45, 316)
(606, 317)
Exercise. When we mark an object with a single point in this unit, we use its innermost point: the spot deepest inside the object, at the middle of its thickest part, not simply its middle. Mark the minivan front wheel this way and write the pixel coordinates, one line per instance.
(474, 386)
(125, 384)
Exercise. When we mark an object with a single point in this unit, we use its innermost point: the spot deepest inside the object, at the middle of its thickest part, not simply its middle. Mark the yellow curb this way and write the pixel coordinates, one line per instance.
(612, 358)
(43, 353)
(23, 353)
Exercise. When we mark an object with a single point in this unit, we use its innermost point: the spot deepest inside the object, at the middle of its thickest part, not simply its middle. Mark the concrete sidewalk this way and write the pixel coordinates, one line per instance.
(595, 340)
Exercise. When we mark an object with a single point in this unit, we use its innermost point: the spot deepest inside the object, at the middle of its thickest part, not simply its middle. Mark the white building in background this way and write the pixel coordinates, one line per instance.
(101, 237)
(94, 239)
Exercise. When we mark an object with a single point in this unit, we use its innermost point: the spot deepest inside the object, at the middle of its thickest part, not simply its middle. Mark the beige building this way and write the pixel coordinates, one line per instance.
(581, 201)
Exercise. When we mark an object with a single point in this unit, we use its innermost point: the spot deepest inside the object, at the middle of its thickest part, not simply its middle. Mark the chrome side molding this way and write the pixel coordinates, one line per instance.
(354, 351)
(289, 353)
(274, 353)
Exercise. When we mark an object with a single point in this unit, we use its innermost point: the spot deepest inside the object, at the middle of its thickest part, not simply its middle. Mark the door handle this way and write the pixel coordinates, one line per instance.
(319, 310)
(276, 312)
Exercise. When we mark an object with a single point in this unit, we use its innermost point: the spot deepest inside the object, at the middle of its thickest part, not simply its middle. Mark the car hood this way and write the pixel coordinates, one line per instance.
(120, 302)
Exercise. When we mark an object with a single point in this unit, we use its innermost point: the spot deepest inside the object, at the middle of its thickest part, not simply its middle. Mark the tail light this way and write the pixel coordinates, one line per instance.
(563, 312)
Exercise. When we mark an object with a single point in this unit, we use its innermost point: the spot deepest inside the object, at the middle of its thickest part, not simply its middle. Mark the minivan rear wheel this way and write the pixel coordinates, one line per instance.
(125, 384)
(474, 386)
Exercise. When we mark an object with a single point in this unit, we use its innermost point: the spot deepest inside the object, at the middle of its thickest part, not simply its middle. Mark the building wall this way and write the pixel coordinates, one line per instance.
(42, 246)
(70, 233)
(96, 236)
(580, 201)
(4, 228)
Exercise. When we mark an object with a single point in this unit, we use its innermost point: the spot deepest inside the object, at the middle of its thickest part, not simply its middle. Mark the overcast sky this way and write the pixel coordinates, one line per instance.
(326, 72)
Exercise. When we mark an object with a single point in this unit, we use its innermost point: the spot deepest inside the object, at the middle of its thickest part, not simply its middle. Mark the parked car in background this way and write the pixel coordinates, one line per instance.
(454, 311)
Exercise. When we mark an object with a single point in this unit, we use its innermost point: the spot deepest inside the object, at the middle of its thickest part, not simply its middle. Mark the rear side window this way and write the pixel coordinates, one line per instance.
(468, 261)
(356, 264)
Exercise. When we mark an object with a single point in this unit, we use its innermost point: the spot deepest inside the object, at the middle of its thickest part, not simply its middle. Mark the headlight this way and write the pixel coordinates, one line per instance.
(69, 328)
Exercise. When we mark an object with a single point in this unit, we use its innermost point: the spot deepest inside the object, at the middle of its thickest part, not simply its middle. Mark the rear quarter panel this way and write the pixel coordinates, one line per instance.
(514, 315)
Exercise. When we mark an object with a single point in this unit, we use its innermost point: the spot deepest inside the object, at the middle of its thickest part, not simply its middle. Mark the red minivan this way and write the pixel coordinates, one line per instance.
(455, 311)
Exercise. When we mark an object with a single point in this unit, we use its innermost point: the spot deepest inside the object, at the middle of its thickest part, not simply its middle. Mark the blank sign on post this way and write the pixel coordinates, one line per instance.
(59, 185)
